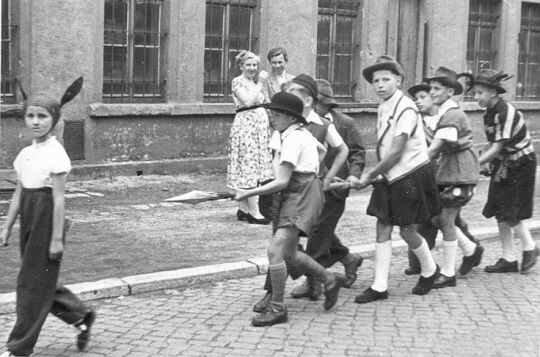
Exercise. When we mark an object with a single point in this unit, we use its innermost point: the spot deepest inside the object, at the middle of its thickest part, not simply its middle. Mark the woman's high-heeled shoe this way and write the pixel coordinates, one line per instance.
(241, 215)
(253, 220)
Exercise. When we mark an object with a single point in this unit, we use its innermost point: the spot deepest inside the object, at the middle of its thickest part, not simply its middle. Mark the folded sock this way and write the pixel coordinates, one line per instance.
(448, 267)
(427, 264)
(383, 257)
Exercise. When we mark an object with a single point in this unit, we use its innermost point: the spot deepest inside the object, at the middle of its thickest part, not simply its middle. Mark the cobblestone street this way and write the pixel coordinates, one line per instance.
(485, 315)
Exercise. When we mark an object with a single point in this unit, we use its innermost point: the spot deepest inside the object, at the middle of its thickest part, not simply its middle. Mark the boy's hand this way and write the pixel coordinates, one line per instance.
(365, 180)
(353, 181)
(240, 194)
(4, 237)
(56, 249)
(326, 183)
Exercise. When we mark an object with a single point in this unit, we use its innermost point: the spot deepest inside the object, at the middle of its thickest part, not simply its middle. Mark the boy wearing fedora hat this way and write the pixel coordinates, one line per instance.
(430, 119)
(457, 172)
(513, 169)
(301, 206)
(323, 244)
(404, 190)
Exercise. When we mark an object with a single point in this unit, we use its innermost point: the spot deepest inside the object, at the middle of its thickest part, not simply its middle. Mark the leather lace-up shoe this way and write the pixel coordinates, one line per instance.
(331, 290)
(84, 336)
(412, 271)
(444, 281)
(273, 314)
(262, 304)
(370, 295)
(424, 285)
(351, 263)
(529, 259)
(471, 261)
(503, 266)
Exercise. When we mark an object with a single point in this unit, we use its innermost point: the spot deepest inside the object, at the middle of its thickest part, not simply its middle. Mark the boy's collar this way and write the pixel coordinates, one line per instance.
(289, 130)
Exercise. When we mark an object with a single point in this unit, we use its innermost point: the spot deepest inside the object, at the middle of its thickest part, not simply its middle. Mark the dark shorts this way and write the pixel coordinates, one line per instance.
(510, 199)
(413, 199)
(456, 195)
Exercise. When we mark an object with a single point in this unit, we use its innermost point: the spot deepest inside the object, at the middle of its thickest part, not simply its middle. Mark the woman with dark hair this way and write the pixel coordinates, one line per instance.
(277, 57)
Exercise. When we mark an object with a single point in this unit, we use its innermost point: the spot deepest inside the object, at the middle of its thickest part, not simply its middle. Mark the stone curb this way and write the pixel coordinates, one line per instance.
(182, 278)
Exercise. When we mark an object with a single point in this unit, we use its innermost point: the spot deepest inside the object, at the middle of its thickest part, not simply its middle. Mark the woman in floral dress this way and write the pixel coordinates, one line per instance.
(250, 160)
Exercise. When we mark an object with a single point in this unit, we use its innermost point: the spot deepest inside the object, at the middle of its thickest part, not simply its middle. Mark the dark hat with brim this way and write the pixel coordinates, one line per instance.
(306, 81)
(491, 79)
(384, 62)
(447, 78)
(418, 88)
(326, 93)
(287, 103)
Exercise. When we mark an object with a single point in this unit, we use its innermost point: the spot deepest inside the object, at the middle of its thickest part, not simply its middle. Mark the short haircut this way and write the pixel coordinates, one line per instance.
(276, 51)
(244, 55)
(297, 88)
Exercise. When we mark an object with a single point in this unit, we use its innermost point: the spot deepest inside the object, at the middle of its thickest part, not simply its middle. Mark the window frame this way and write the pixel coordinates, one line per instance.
(157, 94)
(332, 50)
(527, 26)
(13, 51)
(228, 68)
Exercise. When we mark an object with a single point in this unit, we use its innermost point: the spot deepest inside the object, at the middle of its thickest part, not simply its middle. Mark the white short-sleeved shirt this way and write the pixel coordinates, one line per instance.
(332, 136)
(406, 121)
(298, 147)
(36, 163)
(447, 133)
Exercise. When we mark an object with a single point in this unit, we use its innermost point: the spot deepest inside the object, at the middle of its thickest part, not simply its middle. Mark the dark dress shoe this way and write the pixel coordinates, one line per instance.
(412, 271)
(331, 290)
(503, 266)
(241, 215)
(472, 261)
(273, 314)
(84, 336)
(262, 304)
(444, 281)
(253, 220)
(529, 259)
(353, 262)
(370, 295)
(424, 285)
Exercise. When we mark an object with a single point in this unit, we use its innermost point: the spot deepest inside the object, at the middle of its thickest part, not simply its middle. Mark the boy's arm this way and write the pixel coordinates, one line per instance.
(59, 188)
(394, 155)
(283, 176)
(357, 153)
(13, 212)
(339, 160)
(492, 152)
(435, 148)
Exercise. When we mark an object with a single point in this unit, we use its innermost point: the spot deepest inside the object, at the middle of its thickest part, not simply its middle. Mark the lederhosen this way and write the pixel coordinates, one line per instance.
(37, 290)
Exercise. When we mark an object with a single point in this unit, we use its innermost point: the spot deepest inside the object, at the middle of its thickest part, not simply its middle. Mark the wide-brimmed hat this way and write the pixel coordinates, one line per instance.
(287, 103)
(306, 81)
(326, 93)
(491, 78)
(418, 88)
(448, 78)
(383, 62)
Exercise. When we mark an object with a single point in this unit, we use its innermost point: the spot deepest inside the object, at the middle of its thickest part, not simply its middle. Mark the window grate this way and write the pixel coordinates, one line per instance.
(230, 28)
(132, 51)
(481, 50)
(528, 86)
(8, 53)
(337, 47)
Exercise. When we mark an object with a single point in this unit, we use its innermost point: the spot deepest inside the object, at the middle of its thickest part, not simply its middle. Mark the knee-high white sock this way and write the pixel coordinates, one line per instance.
(448, 267)
(383, 257)
(507, 241)
(527, 242)
(466, 245)
(427, 263)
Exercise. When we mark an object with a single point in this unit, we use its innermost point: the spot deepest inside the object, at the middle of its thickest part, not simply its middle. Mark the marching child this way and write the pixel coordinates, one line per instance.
(404, 193)
(39, 200)
(301, 206)
(513, 169)
(457, 172)
(428, 230)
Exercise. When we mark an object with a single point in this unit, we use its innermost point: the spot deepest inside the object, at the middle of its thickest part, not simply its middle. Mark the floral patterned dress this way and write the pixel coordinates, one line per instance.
(250, 159)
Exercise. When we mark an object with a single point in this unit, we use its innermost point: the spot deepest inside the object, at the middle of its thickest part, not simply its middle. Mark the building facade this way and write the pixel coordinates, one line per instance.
(157, 73)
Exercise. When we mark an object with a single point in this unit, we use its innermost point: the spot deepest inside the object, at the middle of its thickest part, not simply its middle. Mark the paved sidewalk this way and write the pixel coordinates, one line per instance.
(485, 315)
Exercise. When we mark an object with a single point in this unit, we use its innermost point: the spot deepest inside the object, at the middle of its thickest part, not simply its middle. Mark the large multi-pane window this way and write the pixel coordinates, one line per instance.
(528, 86)
(337, 44)
(9, 50)
(481, 41)
(132, 51)
(230, 28)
